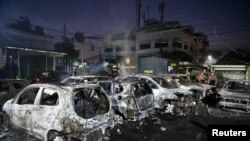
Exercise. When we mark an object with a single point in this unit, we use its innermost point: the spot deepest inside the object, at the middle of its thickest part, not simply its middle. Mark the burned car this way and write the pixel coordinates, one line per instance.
(10, 87)
(200, 91)
(166, 93)
(235, 95)
(84, 79)
(131, 99)
(60, 112)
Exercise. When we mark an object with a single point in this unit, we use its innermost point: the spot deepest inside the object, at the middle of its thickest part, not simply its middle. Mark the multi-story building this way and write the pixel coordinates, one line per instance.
(155, 48)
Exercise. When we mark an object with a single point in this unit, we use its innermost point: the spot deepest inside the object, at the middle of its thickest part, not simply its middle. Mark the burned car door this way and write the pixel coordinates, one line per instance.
(22, 108)
(143, 95)
(92, 105)
(45, 110)
(106, 85)
(153, 86)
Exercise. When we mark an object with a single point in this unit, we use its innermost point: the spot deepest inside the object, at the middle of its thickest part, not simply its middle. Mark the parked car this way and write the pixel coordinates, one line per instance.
(200, 91)
(132, 99)
(9, 88)
(235, 95)
(84, 79)
(166, 93)
(61, 112)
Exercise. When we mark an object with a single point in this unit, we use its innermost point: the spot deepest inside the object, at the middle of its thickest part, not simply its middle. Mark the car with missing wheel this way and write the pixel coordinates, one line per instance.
(200, 91)
(61, 112)
(235, 96)
(131, 99)
(167, 95)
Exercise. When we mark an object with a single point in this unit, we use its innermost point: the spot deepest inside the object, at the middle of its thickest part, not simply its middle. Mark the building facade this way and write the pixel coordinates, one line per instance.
(168, 45)
(24, 53)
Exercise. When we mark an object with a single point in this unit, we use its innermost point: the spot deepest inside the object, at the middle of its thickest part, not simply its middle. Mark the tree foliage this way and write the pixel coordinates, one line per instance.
(69, 48)
(24, 24)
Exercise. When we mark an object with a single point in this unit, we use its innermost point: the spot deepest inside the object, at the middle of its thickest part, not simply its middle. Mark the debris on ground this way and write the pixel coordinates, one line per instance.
(3, 135)
(163, 129)
(106, 138)
(157, 120)
(119, 131)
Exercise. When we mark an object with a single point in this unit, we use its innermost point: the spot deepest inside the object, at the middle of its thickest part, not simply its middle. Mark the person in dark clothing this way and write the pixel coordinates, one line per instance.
(212, 79)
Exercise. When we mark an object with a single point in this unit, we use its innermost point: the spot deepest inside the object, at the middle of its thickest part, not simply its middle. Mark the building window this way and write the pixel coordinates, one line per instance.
(117, 36)
(161, 45)
(119, 49)
(177, 44)
(144, 46)
(108, 49)
(191, 48)
(133, 48)
(186, 46)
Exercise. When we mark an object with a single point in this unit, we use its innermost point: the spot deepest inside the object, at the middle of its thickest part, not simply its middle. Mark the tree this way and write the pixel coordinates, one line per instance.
(39, 30)
(69, 48)
(24, 24)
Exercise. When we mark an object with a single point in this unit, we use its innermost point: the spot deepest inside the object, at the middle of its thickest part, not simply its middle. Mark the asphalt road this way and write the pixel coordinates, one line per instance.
(160, 127)
(177, 128)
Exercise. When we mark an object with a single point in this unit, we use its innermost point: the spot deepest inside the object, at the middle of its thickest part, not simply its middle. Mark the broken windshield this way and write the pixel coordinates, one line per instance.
(242, 87)
(169, 83)
(72, 80)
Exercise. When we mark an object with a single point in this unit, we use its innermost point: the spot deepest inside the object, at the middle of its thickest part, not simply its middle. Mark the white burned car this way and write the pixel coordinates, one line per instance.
(235, 95)
(52, 112)
(131, 99)
(166, 93)
(84, 79)
(200, 91)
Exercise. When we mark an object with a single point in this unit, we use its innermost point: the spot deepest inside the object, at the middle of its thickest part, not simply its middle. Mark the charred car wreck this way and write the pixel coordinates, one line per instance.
(200, 91)
(167, 95)
(131, 99)
(235, 95)
(61, 112)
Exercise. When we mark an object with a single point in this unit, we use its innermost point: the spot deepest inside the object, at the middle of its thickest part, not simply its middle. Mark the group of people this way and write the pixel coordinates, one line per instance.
(209, 78)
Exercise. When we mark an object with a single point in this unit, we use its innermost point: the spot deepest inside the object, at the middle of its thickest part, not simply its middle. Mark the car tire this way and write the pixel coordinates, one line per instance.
(55, 136)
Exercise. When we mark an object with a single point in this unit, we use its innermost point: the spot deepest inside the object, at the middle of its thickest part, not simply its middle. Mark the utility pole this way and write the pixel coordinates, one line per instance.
(79, 36)
(138, 13)
(161, 9)
(65, 40)
(64, 33)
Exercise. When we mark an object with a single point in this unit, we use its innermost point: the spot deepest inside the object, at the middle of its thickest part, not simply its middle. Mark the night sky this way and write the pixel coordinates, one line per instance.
(229, 19)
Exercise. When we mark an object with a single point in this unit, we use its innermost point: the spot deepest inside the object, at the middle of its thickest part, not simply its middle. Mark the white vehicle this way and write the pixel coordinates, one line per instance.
(58, 112)
(165, 93)
(200, 91)
(235, 96)
(132, 99)
(84, 79)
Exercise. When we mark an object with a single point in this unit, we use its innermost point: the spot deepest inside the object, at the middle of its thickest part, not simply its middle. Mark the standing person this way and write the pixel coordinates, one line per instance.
(212, 79)
(75, 72)
(202, 78)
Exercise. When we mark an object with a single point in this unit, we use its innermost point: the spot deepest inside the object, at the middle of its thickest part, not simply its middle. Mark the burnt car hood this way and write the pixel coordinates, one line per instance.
(181, 90)
(192, 87)
(225, 93)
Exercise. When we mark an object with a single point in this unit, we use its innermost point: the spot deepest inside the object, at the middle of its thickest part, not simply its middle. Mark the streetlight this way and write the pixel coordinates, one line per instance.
(209, 61)
(210, 58)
